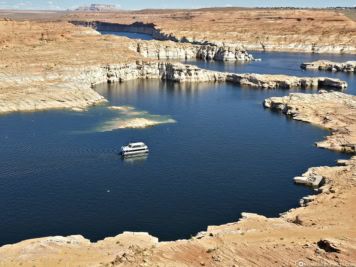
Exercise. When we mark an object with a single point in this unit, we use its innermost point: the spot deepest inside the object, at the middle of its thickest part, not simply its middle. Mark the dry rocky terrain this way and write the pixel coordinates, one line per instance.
(320, 31)
(53, 65)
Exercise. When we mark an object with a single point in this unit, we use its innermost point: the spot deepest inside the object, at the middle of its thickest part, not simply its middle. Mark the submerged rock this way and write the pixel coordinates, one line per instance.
(121, 108)
(79, 109)
(141, 123)
(129, 117)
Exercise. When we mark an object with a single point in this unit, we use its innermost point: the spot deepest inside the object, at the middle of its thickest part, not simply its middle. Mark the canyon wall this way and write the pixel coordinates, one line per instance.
(137, 27)
(289, 41)
(170, 50)
(71, 87)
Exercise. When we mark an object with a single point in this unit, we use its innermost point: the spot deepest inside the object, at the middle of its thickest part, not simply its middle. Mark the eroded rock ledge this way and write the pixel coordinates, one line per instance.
(334, 111)
(174, 48)
(170, 50)
(296, 42)
(71, 87)
(349, 66)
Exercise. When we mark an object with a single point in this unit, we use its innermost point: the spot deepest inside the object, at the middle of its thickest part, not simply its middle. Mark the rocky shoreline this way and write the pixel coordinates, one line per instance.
(72, 87)
(174, 48)
(182, 49)
(334, 111)
(170, 50)
(321, 231)
(261, 45)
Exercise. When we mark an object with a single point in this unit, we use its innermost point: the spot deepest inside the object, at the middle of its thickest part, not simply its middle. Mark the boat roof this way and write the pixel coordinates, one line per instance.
(137, 144)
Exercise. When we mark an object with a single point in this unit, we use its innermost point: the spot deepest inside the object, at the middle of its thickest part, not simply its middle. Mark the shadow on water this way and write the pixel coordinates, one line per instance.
(135, 159)
(131, 35)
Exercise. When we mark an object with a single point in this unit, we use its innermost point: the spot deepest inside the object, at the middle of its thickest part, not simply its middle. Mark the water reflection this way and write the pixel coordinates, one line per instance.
(131, 35)
(129, 89)
(134, 159)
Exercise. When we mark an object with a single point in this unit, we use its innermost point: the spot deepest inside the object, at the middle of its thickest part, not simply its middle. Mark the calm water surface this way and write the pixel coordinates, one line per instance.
(61, 175)
(283, 63)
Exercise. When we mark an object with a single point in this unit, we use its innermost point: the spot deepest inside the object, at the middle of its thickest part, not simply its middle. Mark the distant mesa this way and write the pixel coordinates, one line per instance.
(98, 8)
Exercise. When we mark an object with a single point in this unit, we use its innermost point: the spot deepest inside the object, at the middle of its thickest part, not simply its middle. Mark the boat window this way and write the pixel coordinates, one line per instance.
(137, 146)
(137, 150)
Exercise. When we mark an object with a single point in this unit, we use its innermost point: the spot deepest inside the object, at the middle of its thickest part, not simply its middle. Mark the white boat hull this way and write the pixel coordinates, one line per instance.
(125, 153)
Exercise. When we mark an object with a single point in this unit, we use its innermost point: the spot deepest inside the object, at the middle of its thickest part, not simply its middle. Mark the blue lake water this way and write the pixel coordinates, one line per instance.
(61, 175)
(283, 63)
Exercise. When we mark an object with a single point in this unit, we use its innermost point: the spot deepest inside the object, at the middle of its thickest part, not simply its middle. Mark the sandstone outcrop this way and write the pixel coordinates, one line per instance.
(40, 70)
(334, 111)
(171, 50)
(284, 81)
(349, 66)
(71, 87)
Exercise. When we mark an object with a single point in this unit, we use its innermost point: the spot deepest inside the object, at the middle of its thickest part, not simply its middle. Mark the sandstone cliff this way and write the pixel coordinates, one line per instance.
(171, 50)
(312, 31)
(70, 87)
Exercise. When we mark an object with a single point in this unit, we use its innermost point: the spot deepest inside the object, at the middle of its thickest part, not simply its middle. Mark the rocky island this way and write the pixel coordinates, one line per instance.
(50, 65)
(349, 66)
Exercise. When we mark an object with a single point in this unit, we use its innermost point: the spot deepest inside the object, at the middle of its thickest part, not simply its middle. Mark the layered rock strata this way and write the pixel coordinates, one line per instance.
(71, 87)
(334, 111)
(171, 50)
(349, 66)
(312, 31)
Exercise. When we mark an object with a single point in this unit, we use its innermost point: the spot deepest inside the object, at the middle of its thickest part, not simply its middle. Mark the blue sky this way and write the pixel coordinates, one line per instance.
(141, 4)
